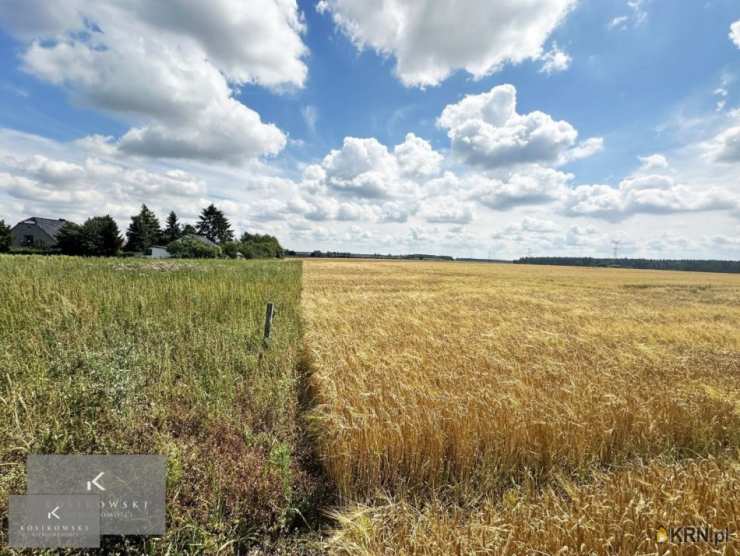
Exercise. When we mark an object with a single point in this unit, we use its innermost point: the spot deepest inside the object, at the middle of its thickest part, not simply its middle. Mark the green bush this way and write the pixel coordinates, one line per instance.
(190, 247)
(230, 249)
(256, 246)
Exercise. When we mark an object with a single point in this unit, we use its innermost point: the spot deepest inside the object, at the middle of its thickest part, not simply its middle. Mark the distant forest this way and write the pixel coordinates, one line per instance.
(649, 264)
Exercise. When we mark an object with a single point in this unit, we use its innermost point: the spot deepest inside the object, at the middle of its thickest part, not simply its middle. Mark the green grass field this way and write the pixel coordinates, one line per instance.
(137, 357)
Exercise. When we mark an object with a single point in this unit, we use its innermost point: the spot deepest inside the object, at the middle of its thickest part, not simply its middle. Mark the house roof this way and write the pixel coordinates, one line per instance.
(50, 226)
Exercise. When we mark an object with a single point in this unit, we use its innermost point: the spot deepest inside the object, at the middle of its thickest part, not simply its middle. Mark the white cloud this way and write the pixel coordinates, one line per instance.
(637, 16)
(430, 39)
(416, 158)
(487, 131)
(448, 210)
(310, 116)
(527, 227)
(647, 194)
(168, 69)
(555, 60)
(653, 162)
(725, 147)
(535, 186)
(618, 22)
(735, 33)
(364, 168)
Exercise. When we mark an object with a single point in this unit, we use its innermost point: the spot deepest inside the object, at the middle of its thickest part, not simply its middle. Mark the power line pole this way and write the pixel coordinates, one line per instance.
(616, 243)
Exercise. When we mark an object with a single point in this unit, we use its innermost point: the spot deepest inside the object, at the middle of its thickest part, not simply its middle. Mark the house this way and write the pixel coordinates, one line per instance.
(40, 233)
(161, 252)
(158, 252)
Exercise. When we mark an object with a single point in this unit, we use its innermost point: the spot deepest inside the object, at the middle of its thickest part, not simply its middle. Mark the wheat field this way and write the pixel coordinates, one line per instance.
(464, 402)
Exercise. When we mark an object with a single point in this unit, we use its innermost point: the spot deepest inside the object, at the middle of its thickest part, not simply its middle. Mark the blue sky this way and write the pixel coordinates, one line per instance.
(289, 116)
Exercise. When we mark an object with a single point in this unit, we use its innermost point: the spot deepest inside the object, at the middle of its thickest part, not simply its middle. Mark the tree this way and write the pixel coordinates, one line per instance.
(256, 246)
(144, 231)
(173, 230)
(101, 237)
(4, 237)
(97, 237)
(214, 225)
(189, 230)
(69, 239)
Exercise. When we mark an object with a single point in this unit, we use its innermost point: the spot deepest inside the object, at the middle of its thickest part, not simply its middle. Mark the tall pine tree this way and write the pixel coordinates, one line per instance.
(144, 231)
(214, 225)
(4, 237)
(172, 231)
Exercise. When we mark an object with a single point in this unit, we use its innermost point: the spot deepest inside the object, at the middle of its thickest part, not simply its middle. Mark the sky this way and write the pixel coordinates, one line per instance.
(469, 128)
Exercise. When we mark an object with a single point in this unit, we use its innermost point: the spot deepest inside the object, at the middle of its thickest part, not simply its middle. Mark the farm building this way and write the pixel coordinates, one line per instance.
(159, 252)
(36, 232)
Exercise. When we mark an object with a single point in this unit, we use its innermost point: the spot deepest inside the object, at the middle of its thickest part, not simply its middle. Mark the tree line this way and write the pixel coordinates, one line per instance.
(645, 264)
(100, 236)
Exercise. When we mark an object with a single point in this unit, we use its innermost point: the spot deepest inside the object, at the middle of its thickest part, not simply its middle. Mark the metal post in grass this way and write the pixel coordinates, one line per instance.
(269, 314)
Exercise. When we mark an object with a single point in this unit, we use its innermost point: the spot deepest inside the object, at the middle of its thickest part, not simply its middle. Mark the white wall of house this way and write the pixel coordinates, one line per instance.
(159, 253)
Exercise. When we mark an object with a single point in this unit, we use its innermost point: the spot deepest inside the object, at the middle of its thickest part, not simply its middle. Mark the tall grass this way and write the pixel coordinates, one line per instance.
(110, 356)
(458, 381)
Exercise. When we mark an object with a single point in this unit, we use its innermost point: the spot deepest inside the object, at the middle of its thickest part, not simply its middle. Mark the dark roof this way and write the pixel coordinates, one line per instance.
(50, 226)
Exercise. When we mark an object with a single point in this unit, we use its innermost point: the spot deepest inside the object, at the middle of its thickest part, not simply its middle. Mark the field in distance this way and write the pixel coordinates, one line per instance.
(475, 408)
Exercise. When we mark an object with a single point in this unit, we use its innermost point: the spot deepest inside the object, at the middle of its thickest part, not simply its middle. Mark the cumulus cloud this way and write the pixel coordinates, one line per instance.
(646, 194)
(725, 147)
(39, 177)
(430, 39)
(486, 131)
(365, 168)
(735, 33)
(527, 227)
(169, 69)
(653, 162)
(536, 186)
(555, 60)
(416, 158)
(448, 210)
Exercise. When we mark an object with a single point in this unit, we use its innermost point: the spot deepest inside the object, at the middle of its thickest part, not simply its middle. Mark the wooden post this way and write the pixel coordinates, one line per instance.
(268, 321)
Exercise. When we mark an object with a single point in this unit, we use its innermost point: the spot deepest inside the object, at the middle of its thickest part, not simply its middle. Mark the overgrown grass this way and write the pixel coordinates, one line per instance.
(451, 384)
(110, 356)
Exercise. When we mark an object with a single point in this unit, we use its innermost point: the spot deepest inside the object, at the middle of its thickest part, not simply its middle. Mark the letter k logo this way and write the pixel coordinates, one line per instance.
(95, 482)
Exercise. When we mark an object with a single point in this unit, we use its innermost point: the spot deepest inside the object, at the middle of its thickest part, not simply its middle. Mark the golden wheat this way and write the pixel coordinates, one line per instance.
(459, 380)
(619, 513)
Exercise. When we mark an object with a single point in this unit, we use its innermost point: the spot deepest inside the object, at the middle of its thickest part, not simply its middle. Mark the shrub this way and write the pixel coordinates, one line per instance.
(257, 246)
(230, 249)
(190, 247)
